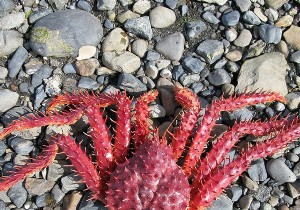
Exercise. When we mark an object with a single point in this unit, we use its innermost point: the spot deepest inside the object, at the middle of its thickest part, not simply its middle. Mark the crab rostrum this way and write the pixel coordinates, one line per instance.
(135, 168)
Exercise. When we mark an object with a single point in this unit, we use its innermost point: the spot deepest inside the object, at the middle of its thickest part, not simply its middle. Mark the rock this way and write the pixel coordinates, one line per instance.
(259, 13)
(294, 189)
(126, 62)
(16, 62)
(63, 33)
(8, 99)
(234, 192)
(210, 50)
(231, 18)
(86, 67)
(17, 194)
(162, 17)
(188, 79)
(69, 69)
(243, 5)
(44, 200)
(9, 41)
(86, 52)
(106, 4)
(171, 3)
(266, 72)
(243, 39)
(131, 84)
(222, 202)
(270, 34)
(6, 7)
(257, 171)
(284, 21)
(43, 73)
(151, 70)
(171, 46)
(231, 34)
(195, 28)
(57, 193)
(123, 16)
(140, 27)
(262, 194)
(142, 6)
(193, 65)
(32, 66)
(276, 4)
(283, 48)
(152, 55)
(219, 2)
(234, 56)
(255, 49)
(245, 201)
(295, 57)
(11, 21)
(117, 40)
(71, 182)
(157, 111)
(292, 37)
(21, 146)
(210, 17)
(219, 77)
(139, 47)
(293, 100)
(40, 95)
(84, 5)
(36, 186)
(279, 171)
(88, 83)
(251, 18)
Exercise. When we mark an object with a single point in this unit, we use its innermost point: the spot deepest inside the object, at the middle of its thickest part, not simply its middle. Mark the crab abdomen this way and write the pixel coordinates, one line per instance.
(150, 179)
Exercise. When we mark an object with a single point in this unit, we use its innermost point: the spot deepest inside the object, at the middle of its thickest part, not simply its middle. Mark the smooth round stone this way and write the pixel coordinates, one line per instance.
(234, 56)
(251, 18)
(270, 34)
(231, 18)
(243, 39)
(8, 99)
(292, 37)
(141, 6)
(21, 146)
(3, 72)
(284, 21)
(139, 47)
(210, 17)
(279, 171)
(84, 5)
(193, 65)
(86, 67)
(243, 5)
(162, 17)
(231, 34)
(117, 40)
(219, 77)
(62, 33)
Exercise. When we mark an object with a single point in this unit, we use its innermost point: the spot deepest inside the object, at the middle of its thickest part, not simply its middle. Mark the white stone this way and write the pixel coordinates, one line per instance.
(162, 17)
(141, 6)
(117, 40)
(86, 52)
(12, 20)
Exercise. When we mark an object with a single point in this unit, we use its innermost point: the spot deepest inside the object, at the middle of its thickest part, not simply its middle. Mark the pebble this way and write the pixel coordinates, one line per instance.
(43, 73)
(17, 194)
(32, 66)
(188, 79)
(257, 171)
(258, 12)
(151, 70)
(195, 28)
(3, 72)
(141, 6)
(231, 18)
(162, 17)
(251, 18)
(193, 65)
(234, 56)
(84, 5)
(57, 193)
(210, 17)
(21, 146)
(157, 111)
(88, 83)
(270, 34)
(243, 39)
(219, 77)
(131, 84)
(295, 57)
(243, 5)
(276, 4)
(231, 34)
(40, 95)
(8, 99)
(86, 67)
(222, 202)
(139, 47)
(15, 64)
(45, 40)
(293, 100)
(126, 15)
(210, 50)
(11, 21)
(171, 46)
(292, 37)
(152, 55)
(117, 40)
(9, 41)
(279, 171)
(140, 27)
(86, 52)
(234, 192)
(106, 4)
(284, 21)
(6, 7)
(126, 62)
(69, 68)
(245, 201)
(37, 186)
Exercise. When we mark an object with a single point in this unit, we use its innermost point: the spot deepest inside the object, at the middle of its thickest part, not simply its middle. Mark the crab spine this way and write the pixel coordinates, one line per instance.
(41, 161)
(222, 178)
(210, 117)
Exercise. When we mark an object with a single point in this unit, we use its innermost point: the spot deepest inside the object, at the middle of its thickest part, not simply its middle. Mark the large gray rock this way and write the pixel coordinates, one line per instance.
(266, 72)
(62, 33)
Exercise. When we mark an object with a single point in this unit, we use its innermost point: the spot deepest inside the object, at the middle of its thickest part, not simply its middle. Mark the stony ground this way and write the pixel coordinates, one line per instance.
(214, 47)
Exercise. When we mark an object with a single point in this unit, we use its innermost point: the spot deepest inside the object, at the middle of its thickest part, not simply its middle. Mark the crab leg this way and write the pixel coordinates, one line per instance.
(216, 155)
(222, 178)
(142, 116)
(41, 161)
(189, 101)
(83, 165)
(209, 119)
(31, 121)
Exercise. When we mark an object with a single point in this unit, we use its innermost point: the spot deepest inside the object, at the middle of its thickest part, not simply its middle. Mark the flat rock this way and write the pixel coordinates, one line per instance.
(266, 72)
(131, 84)
(86, 52)
(162, 17)
(292, 37)
(117, 40)
(171, 46)
(62, 33)
(8, 99)
(38, 186)
(126, 62)
(10, 40)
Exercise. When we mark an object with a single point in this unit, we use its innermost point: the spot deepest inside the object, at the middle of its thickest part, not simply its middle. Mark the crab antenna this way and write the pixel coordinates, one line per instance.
(210, 117)
(189, 101)
(216, 155)
(142, 116)
(222, 178)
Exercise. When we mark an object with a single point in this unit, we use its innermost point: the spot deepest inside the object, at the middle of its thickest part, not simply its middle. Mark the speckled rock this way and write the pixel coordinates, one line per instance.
(62, 33)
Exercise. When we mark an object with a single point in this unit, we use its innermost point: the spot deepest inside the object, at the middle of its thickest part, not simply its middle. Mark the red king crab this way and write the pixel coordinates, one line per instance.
(151, 177)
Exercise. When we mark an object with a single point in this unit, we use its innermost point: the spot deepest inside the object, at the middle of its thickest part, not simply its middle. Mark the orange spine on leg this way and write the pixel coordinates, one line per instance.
(189, 101)
(210, 117)
(101, 139)
(83, 165)
(142, 116)
(218, 181)
(41, 161)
